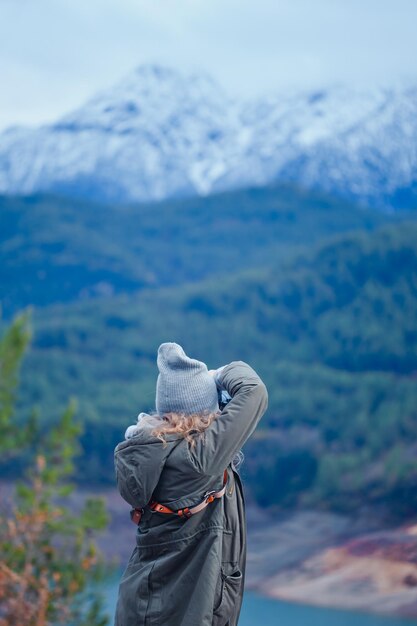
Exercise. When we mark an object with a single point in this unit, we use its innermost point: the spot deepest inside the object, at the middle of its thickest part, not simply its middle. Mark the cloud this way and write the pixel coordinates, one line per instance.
(55, 54)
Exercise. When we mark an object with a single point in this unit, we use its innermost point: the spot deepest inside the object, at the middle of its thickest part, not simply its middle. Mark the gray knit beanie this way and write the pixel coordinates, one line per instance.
(184, 385)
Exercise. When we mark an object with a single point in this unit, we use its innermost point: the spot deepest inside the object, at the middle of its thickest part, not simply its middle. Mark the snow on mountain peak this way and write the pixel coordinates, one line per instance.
(159, 133)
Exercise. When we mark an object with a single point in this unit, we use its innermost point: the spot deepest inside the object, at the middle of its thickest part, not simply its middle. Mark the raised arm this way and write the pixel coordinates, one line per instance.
(229, 431)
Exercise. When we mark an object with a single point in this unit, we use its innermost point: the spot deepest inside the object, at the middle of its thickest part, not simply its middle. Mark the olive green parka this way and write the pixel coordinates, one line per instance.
(189, 571)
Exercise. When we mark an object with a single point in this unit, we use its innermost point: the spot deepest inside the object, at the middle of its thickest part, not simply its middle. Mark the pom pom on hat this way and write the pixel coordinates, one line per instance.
(184, 385)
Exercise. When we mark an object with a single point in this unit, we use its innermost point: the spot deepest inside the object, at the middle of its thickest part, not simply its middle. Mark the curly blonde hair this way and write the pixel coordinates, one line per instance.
(188, 426)
(183, 424)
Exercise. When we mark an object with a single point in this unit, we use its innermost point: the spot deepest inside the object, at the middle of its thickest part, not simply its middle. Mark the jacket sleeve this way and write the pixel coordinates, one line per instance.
(230, 430)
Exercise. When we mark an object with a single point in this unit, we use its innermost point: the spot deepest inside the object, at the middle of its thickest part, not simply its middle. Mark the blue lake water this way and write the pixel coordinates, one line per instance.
(257, 611)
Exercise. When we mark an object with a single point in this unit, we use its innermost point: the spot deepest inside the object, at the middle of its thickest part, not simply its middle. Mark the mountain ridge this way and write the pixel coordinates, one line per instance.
(159, 134)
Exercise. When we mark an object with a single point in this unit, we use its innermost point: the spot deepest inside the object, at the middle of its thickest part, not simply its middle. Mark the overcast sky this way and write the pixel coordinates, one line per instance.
(54, 54)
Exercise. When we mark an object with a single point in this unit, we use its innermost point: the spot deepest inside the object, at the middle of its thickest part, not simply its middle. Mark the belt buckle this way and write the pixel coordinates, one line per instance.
(208, 494)
(151, 508)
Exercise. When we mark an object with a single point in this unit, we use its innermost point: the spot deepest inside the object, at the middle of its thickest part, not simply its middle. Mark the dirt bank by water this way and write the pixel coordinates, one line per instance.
(330, 560)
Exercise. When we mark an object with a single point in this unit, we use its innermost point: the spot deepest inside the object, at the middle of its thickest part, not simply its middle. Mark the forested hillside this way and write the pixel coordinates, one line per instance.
(333, 331)
(55, 250)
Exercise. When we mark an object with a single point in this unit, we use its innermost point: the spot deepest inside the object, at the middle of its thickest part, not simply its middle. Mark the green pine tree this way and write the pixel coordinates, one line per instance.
(49, 562)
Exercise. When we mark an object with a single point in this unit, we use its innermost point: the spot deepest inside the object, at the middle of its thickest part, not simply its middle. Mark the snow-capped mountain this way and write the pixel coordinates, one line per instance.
(159, 133)
(359, 145)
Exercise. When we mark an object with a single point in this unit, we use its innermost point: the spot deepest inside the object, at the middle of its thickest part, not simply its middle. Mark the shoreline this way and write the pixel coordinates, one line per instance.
(328, 560)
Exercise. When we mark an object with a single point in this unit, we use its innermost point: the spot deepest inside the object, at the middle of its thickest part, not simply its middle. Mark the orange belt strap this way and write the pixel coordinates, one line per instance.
(209, 496)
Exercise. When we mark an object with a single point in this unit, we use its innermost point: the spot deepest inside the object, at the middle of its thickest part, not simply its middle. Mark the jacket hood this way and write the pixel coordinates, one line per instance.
(139, 462)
